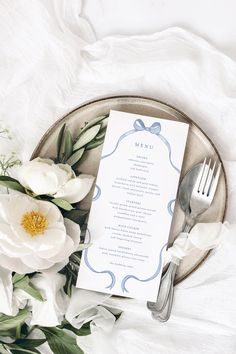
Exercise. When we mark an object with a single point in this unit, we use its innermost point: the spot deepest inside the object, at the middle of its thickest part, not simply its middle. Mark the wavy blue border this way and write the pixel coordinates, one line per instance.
(139, 126)
(170, 207)
(110, 273)
(130, 276)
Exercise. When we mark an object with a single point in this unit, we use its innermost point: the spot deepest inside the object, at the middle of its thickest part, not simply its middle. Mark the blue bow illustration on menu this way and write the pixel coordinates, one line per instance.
(139, 126)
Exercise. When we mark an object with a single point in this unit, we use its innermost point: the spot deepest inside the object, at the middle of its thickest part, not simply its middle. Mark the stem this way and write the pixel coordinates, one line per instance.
(18, 331)
(71, 273)
(75, 259)
(31, 330)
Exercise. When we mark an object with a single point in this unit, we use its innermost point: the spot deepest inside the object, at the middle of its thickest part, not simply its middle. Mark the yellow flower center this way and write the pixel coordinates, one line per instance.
(34, 223)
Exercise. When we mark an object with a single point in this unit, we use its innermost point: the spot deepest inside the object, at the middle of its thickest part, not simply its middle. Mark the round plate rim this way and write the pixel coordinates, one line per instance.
(104, 98)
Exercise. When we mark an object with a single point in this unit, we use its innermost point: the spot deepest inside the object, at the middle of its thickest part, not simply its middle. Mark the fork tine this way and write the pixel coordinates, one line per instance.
(204, 177)
(209, 179)
(214, 184)
(200, 175)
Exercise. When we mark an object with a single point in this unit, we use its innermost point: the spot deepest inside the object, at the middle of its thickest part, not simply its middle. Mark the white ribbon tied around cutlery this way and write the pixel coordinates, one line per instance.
(203, 236)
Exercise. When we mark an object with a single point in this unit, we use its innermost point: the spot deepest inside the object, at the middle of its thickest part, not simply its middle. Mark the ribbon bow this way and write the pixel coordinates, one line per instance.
(155, 128)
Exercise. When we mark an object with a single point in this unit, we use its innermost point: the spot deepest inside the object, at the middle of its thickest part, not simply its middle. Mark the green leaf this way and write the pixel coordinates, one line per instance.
(97, 120)
(26, 285)
(94, 144)
(63, 204)
(104, 123)
(60, 141)
(83, 331)
(75, 258)
(11, 183)
(60, 342)
(10, 322)
(17, 277)
(68, 145)
(24, 346)
(17, 349)
(9, 333)
(30, 343)
(3, 349)
(68, 285)
(73, 159)
(101, 134)
(86, 136)
(77, 215)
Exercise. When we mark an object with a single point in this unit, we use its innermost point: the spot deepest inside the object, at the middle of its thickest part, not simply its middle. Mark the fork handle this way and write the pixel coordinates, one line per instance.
(165, 288)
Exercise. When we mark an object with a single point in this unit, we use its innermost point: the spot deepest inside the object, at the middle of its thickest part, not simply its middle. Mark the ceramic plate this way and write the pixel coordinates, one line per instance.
(198, 146)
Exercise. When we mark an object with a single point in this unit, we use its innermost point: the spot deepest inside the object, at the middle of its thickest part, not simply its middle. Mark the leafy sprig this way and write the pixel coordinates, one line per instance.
(21, 281)
(5, 133)
(71, 151)
(58, 338)
(7, 162)
(59, 341)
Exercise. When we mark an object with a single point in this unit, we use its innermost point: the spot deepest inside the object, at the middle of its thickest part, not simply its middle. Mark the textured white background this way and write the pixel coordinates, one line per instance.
(51, 61)
(213, 20)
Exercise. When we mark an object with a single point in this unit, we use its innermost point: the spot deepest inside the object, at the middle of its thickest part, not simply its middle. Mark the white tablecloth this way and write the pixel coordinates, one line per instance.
(51, 61)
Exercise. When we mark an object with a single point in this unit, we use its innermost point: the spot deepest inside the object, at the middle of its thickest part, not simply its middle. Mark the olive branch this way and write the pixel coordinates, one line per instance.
(91, 135)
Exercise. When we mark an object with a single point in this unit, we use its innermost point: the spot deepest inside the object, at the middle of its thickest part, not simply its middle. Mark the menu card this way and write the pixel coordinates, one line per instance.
(132, 208)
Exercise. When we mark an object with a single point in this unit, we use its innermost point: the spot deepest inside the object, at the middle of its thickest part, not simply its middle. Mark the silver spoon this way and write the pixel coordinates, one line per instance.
(184, 195)
(201, 198)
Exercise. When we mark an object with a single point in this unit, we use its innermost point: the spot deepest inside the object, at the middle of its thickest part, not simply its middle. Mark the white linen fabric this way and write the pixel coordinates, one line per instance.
(203, 236)
(213, 20)
(84, 306)
(50, 62)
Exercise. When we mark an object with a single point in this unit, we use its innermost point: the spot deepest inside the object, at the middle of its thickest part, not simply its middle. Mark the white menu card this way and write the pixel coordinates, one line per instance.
(132, 206)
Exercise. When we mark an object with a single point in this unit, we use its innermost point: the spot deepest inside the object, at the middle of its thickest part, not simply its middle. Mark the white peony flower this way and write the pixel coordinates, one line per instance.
(33, 235)
(43, 176)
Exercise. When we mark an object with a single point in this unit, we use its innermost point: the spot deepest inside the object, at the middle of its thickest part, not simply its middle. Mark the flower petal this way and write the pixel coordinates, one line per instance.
(4, 201)
(51, 211)
(18, 205)
(73, 230)
(42, 176)
(9, 245)
(55, 267)
(50, 312)
(15, 265)
(75, 189)
(67, 168)
(6, 292)
(66, 250)
(36, 263)
(42, 181)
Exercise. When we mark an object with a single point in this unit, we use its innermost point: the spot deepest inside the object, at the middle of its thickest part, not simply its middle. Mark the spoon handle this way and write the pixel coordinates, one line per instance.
(165, 314)
(165, 287)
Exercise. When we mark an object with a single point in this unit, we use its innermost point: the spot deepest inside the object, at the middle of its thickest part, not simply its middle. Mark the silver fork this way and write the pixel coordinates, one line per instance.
(200, 200)
(204, 188)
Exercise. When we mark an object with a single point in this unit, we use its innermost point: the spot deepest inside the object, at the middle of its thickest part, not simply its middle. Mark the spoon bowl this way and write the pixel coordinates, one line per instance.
(186, 188)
